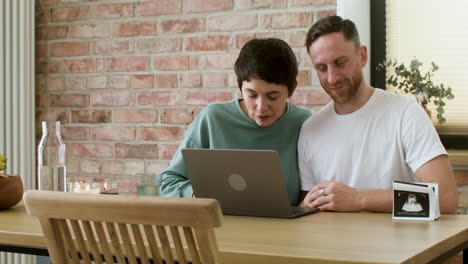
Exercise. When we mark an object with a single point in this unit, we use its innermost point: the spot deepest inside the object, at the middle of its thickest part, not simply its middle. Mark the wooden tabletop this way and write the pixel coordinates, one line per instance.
(324, 237)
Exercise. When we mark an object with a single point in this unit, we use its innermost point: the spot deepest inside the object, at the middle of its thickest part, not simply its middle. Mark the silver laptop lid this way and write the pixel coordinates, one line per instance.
(245, 182)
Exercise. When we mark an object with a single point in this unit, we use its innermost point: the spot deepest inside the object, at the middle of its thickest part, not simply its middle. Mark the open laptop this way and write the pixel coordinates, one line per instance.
(245, 182)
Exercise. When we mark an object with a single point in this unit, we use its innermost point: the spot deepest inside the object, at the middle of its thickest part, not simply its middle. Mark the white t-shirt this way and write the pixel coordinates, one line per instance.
(387, 139)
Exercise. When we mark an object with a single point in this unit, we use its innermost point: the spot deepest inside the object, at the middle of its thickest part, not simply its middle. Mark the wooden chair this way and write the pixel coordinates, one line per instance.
(113, 228)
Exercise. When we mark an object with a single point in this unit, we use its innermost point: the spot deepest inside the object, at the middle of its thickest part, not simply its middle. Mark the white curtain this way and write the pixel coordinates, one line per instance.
(17, 97)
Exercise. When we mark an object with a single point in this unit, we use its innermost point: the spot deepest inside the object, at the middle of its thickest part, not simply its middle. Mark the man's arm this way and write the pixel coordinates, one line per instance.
(340, 197)
(438, 170)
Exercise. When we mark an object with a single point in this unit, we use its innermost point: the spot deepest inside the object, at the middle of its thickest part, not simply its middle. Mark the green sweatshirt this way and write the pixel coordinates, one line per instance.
(226, 126)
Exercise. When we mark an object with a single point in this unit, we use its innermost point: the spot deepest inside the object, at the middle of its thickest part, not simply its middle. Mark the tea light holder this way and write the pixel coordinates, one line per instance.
(110, 186)
(85, 187)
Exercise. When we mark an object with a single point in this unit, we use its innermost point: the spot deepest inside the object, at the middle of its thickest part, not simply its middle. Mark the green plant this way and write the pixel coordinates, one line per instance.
(411, 80)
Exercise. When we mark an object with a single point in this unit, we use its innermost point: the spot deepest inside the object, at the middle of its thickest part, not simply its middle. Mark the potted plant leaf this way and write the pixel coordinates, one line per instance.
(410, 79)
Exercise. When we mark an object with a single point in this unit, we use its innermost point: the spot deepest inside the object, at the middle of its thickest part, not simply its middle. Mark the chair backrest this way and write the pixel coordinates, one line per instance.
(113, 228)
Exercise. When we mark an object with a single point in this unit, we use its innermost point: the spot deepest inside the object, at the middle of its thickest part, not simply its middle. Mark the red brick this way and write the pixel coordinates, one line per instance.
(232, 22)
(76, 83)
(41, 15)
(91, 116)
(213, 42)
(215, 80)
(204, 98)
(160, 44)
(167, 151)
(303, 78)
(331, 2)
(114, 133)
(177, 116)
(296, 38)
(172, 63)
(113, 167)
(161, 133)
(119, 82)
(56, 84)
(127, 185)
(134, 116)
(241, 39)
(158, 98)
(164, 81)
(112, 47)
(69, 13)
(112, 99)
(305, 58)
(69, 100)
(156, 8)
(180, 26)
(41, 84)
(190, 80)
(90, 166)
(90, 31)
(155, 167)
(47, 2)
(310, 97)
(51, 32)
(51, 115)
(87, 65)
(41, 49)
(143, 81)
(325, 13)
(218, 61)
(136, 151)
(121, 64)
(257, 4)
(113, 10)
(91, 150)
(132, 29)
(69, 49)
(197, 6)
(48, 67)
(96, 82)
(307, 2)
(286, 20)
(74, 133)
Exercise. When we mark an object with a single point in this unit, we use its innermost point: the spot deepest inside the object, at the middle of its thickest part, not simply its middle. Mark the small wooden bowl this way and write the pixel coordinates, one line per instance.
(11, 191)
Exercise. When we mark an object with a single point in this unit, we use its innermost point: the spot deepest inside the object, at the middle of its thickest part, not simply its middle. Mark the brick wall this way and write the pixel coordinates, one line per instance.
(125, 78)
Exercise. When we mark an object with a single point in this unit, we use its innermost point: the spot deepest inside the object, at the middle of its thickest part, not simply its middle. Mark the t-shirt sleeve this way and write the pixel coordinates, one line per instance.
(421, 143)
(305, 171)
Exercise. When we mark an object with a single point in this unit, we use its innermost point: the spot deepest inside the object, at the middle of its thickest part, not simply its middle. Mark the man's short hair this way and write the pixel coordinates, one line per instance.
(271, 60)
(332, 24)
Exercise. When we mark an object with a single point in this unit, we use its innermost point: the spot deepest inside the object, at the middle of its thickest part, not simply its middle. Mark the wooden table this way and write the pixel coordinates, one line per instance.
(324, 237)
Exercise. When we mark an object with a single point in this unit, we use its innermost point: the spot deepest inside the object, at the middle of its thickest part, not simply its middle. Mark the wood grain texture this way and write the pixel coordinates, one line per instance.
(75, 213)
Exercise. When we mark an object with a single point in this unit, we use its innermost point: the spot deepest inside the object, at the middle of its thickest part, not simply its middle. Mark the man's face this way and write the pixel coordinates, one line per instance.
(264, 102)
(338, 63)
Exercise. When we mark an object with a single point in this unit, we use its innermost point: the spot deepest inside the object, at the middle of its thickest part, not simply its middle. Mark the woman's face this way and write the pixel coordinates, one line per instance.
(264, 102)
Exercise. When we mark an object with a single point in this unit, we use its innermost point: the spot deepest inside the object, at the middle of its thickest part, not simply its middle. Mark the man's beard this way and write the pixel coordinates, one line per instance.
(350, 90)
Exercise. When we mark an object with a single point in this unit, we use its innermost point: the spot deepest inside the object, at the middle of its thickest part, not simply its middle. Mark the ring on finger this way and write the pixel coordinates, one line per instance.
(322, 192)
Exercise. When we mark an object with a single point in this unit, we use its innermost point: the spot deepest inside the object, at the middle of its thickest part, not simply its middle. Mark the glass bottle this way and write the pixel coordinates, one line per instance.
(51, 158)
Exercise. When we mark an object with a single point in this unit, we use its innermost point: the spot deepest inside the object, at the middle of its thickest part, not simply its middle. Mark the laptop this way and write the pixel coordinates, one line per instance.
(245, 182)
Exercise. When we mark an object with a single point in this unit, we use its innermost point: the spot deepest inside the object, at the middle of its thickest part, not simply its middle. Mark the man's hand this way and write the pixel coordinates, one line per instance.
(333, 196)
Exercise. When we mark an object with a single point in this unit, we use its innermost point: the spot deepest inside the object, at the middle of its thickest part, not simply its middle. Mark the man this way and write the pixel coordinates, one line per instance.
(352, 150)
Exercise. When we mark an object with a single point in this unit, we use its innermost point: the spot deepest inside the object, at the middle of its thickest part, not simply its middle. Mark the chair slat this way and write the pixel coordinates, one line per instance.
(153, 244)
(103, 242)
(191, 244)
(51, 228)
(140, 245)
(165, 244)
(80, 241)
(115, 241)
(178, 245)
(92, 242)
(68, 241)
(128, 243)
(206, 250)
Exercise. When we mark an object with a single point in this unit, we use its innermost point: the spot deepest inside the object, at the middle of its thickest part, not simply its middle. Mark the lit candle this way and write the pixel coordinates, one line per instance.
(110, 187)
(84, 187)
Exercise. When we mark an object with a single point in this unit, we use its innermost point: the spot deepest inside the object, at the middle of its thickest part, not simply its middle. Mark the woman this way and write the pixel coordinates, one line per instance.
(266, 72)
